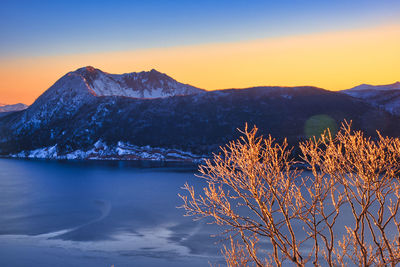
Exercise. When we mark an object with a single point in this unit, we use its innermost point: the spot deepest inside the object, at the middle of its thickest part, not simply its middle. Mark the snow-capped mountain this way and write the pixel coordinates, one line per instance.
(81, 87)
(149, 115)
(151, 84)
(12, 108)
(383, 96)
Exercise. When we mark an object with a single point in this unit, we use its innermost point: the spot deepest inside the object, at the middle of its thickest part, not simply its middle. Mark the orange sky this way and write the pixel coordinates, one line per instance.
(335, 60)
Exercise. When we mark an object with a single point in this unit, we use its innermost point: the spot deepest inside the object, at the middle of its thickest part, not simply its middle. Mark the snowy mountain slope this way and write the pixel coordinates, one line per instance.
(150, 109)
(198, 123)
(151, 84)
(60, 101)
(383, 96)
(81, 87)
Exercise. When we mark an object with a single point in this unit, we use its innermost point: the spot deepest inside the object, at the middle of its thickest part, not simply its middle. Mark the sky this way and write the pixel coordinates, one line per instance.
(209, 44)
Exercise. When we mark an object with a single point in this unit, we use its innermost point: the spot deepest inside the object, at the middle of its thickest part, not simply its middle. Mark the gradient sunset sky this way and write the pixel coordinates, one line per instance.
(209, 44)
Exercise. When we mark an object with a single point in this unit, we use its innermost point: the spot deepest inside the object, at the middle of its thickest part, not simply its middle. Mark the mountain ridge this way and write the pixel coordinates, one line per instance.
(144, 84)
(386, 96)
(85, 84)
(74, 116)
(198, 123)
(12, 107)
(392, 86)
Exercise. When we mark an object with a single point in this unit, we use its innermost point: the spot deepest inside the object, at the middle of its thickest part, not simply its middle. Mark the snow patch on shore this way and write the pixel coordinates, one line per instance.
(120, 151)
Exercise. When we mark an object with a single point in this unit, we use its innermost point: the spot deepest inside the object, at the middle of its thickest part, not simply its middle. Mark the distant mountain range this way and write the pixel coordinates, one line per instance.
(12, 108)
(386, 87)
(91, 114)
(382, 96)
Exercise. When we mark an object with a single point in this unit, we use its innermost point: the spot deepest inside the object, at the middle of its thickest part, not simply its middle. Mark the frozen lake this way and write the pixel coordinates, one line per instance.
(99, 214)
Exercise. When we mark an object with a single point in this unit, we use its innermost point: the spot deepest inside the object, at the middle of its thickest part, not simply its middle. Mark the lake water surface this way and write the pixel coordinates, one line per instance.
(98, 214)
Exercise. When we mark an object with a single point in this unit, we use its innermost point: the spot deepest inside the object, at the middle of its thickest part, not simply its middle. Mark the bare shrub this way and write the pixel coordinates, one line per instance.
(343, 210)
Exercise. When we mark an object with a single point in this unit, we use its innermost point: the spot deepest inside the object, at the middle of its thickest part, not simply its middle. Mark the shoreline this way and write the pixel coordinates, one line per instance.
(120, 163)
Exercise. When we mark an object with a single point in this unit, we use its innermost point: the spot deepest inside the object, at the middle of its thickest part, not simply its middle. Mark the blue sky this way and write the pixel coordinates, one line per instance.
(40, 28)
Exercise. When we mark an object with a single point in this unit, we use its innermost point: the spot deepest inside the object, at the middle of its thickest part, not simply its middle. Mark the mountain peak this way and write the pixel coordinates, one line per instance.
(393, 86)
(86, 70)
(90, 68)
(154, 71)
(84, 85)
(88, 81)
(145, 84)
